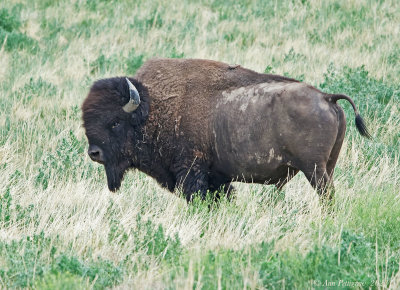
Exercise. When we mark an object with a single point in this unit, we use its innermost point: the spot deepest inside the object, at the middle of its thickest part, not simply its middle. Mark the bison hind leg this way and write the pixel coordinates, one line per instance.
(321, 181)
(290, 173)
(333, 157)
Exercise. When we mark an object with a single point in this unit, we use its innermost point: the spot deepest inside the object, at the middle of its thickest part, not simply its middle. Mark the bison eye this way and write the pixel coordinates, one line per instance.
(115, 125)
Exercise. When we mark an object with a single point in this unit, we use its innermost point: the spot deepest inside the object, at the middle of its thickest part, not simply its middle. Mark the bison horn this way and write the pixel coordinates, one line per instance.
(134, 98)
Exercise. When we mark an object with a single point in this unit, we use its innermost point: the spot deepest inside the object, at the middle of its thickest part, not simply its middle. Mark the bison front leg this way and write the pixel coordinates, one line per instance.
(191, 180)
(223, 189)
(230, 191)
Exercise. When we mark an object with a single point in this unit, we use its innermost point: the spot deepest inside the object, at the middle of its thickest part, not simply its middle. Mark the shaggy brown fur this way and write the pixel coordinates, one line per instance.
(202, 124)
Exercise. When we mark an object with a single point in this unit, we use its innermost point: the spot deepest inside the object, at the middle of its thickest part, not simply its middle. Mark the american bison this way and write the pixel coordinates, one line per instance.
(201, 124)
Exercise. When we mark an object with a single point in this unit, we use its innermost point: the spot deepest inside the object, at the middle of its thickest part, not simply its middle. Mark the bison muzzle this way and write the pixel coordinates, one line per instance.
(198, 125)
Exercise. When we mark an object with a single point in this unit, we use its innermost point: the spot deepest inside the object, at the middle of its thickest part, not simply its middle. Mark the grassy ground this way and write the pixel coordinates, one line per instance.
(61, 228)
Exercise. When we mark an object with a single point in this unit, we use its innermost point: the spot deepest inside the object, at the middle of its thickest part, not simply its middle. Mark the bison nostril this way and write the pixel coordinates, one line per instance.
(95, 153)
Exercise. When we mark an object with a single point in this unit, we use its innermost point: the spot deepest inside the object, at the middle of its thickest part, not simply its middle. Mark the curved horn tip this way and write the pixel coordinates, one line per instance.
(134, 98)
(131, 86)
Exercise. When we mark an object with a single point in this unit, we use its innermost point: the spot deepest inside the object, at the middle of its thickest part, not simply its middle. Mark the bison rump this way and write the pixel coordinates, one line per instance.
(263, 130)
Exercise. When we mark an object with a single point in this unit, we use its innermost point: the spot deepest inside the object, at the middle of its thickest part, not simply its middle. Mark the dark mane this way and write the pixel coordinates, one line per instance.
(112, 94)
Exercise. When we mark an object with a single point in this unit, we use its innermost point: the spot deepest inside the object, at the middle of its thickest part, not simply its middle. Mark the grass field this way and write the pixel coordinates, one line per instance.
(60, 227)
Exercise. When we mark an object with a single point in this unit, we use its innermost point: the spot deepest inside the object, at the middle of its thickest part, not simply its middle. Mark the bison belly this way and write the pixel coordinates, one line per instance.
(261, 132)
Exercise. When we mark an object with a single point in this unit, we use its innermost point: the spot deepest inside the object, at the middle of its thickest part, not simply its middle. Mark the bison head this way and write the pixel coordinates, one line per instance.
(113, 116)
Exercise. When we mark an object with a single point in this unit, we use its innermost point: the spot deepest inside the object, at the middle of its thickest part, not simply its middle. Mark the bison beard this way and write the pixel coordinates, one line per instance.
(114, 177)
(115, 174)
(196, 125)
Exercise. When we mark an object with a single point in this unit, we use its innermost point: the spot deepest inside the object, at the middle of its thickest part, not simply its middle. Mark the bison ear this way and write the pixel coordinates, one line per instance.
(134, 98)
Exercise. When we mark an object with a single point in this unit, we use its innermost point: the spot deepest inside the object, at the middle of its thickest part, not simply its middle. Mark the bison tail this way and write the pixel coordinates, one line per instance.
(361, 127)
(360, 124)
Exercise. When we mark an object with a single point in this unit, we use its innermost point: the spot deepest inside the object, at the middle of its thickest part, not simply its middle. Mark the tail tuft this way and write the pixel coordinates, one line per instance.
(361, 127)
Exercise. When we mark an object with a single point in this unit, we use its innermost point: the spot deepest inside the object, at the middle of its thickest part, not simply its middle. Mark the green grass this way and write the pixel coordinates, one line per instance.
(60, 227)
(36, 259)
